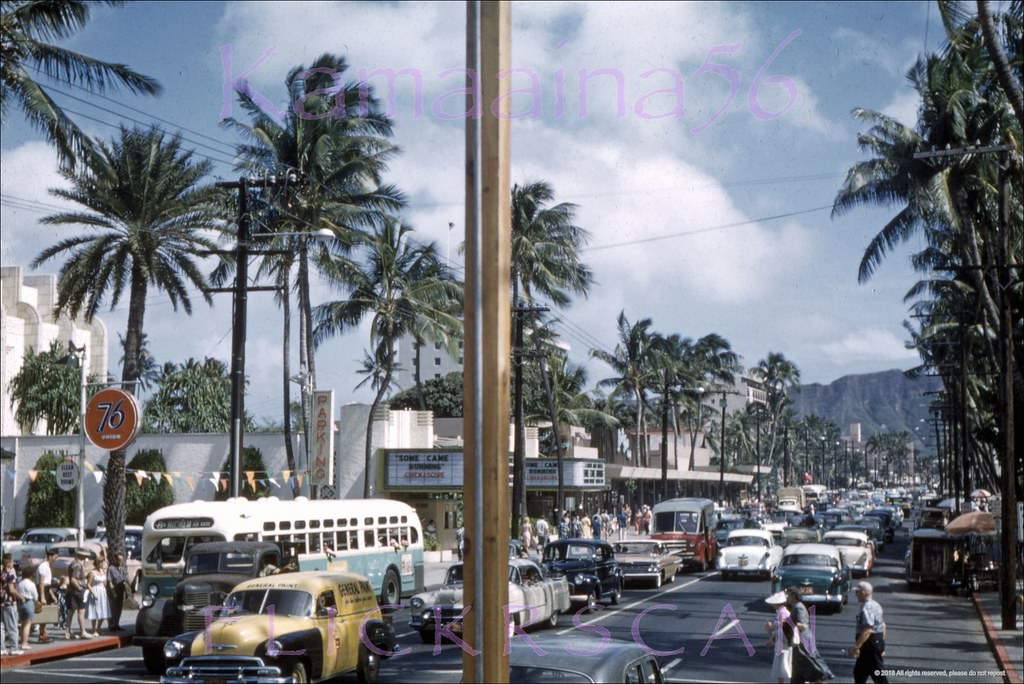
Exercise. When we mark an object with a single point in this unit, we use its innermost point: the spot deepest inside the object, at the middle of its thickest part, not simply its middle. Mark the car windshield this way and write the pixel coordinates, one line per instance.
(454, 575)
(229, 562)
(637, 547)
(288, 602)
(814, 559)
(748, 541)
(532, 675)
(733, 524)
(568, 552)
(41, 538)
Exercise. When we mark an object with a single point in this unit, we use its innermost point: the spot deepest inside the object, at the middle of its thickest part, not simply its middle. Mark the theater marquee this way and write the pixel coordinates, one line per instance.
(443, 470)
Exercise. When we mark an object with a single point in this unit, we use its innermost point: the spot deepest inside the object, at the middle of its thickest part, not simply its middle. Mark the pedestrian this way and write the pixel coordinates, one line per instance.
(808, 665)
(647, 519)
(586, 529)
(9, 605)
(527, 536)
(76, 592)
(623, 519)
(27, 605)
(45, 589)
(638, 521)
(460, 541)
(97, 607)
(542, 533)
(564, 527)
(869, 643)
(117, 588)
(596, 525)
(782, 636)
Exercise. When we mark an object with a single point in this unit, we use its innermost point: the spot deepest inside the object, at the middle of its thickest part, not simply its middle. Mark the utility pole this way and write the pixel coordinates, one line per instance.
(721, 457)
(238, 316)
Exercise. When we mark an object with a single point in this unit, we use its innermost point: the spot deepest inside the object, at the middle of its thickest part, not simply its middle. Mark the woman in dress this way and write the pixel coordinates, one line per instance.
(781, 638)
(97, 607)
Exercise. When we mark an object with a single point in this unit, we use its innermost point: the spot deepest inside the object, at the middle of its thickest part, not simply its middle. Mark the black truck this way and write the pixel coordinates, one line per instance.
(212, 570)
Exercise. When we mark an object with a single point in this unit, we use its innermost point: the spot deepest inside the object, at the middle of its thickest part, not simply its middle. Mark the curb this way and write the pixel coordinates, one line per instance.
(992, 636)
(65, 650)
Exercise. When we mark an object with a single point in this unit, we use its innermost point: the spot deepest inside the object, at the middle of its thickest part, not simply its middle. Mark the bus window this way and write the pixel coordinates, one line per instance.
(268, 527)
(284, 525)
(369, 539)
(342, 522)
(414, 537)
(300, 524)
(314, 524)
(314, 542)
(341, 541)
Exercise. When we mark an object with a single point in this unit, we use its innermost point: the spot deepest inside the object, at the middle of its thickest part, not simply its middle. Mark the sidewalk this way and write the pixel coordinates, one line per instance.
(1007, 644)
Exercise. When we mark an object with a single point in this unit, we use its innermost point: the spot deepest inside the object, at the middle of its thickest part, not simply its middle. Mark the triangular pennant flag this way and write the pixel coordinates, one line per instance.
(98, 474)
(90, 467)
(156, 477)
(32, 475)
(224, 485)
(213, 481)
(300, 480)
(170, 481)
(140, 475)
(191, 483)
(273, 482)
(250, 475)
(286, 474)
(216, 476)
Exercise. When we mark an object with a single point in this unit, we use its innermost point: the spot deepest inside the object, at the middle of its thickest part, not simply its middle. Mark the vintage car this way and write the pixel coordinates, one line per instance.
(933, 518)
(818, 571)
(888, 521)
(297, 626)
(546, 658)
(800, 535)
(873, 527)
(725, 525)
(66, 556)
(532, 598)
(857, 550)
(749, 552)
(590, 567)
(34, 542)
(212, 570)
(647, 560)
(132, 540)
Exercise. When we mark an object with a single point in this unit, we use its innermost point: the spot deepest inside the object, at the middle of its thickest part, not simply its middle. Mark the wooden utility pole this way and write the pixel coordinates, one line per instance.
(488, 327)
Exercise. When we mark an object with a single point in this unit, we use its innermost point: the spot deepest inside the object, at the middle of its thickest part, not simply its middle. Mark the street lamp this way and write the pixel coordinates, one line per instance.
(77, 355)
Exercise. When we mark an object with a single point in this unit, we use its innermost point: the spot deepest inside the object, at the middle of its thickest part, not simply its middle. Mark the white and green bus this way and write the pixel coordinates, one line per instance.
(379, 538)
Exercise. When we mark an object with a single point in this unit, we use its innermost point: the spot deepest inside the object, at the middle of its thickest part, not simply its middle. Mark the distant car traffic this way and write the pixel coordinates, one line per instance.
(749, 552)
(818, 571)
(34, 542)
(648, 561)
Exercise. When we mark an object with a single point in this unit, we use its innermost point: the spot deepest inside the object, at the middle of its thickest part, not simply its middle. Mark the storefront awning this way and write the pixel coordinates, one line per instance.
(615, 471)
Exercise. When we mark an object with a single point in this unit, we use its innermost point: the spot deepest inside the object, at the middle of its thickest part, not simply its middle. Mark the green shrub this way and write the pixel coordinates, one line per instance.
(47, 504)
(252, 459)
(151, 496)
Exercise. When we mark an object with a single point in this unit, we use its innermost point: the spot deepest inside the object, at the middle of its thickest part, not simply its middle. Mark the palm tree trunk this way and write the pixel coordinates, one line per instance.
(114, 486)
(285, 282)
(1007, 78)
(307, 313)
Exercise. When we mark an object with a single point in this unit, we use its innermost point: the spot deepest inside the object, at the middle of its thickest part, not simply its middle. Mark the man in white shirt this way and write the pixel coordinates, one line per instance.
(44, 582)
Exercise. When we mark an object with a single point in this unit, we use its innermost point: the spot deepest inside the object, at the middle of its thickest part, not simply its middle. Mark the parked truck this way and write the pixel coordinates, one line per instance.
(791, 497)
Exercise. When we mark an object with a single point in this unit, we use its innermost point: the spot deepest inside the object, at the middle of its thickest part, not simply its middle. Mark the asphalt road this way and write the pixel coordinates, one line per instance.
(703, 628)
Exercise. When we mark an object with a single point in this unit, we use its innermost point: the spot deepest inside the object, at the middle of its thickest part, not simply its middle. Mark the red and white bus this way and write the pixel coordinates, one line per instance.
(687, 526)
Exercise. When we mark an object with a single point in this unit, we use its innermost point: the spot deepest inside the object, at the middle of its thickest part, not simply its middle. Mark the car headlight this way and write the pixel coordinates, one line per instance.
(577, 580)
(274, 647)
(173, 649)
(152, 589)
(147, 601)
(427, 614)
(416, 602)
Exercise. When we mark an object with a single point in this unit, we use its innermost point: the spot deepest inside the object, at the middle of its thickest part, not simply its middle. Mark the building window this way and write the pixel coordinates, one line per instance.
(437, 360)
(437, 346)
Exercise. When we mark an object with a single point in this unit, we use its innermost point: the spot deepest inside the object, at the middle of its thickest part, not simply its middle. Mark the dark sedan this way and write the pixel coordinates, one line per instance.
(590, 567)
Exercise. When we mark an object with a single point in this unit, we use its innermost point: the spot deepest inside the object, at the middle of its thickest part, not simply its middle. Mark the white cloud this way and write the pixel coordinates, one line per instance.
(869, 344)
(27, 173)
(903, 107)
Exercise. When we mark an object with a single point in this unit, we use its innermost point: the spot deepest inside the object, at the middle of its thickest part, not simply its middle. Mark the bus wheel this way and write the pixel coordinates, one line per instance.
(369, 666)
(391, 589)
(299, 674)
(153, 659)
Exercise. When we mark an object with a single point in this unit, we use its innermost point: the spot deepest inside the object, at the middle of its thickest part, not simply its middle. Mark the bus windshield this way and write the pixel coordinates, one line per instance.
(172, 549)
(676, 521)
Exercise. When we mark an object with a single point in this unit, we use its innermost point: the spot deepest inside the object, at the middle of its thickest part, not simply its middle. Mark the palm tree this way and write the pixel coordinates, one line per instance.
(632, 363)
(780, 377)
(545, 261)
(339, 144)
(405, 288)
(141, 195)
(25, 28)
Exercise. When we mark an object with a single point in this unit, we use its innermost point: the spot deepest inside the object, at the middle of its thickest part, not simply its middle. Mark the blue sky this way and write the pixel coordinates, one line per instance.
(703, 227)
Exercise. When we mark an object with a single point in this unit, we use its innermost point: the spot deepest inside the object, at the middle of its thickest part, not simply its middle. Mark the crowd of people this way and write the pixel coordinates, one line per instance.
(601, 524)
(88, 599)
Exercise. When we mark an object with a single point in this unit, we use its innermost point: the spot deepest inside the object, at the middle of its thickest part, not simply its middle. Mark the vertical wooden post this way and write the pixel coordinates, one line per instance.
(488, 328)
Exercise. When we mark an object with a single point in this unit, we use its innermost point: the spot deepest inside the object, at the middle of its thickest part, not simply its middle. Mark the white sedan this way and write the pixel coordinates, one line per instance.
(749, 552)
(857, 550)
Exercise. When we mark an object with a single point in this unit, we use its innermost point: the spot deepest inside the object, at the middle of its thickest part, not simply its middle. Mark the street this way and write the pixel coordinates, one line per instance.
(702, 628)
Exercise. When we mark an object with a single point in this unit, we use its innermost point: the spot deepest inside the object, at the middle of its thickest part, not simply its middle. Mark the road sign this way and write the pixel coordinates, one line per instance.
(112, 419)
(67, 475)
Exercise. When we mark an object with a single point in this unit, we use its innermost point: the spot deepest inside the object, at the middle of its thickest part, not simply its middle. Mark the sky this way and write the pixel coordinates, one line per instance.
(702, 143)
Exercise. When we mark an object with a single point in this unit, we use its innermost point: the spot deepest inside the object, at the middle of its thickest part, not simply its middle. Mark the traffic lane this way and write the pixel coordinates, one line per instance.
(120, 665)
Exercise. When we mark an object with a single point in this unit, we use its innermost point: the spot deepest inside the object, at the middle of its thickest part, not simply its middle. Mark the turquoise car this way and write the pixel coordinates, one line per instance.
(818, 571)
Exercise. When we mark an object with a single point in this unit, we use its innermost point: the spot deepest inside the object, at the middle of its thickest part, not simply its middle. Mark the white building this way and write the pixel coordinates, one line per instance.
(432, 359)
(27, 322)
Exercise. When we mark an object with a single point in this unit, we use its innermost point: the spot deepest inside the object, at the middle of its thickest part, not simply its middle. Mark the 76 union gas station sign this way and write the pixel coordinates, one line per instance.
(444, 470)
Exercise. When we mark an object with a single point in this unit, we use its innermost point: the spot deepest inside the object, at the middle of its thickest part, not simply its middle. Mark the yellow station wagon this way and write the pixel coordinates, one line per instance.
(300, 626)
